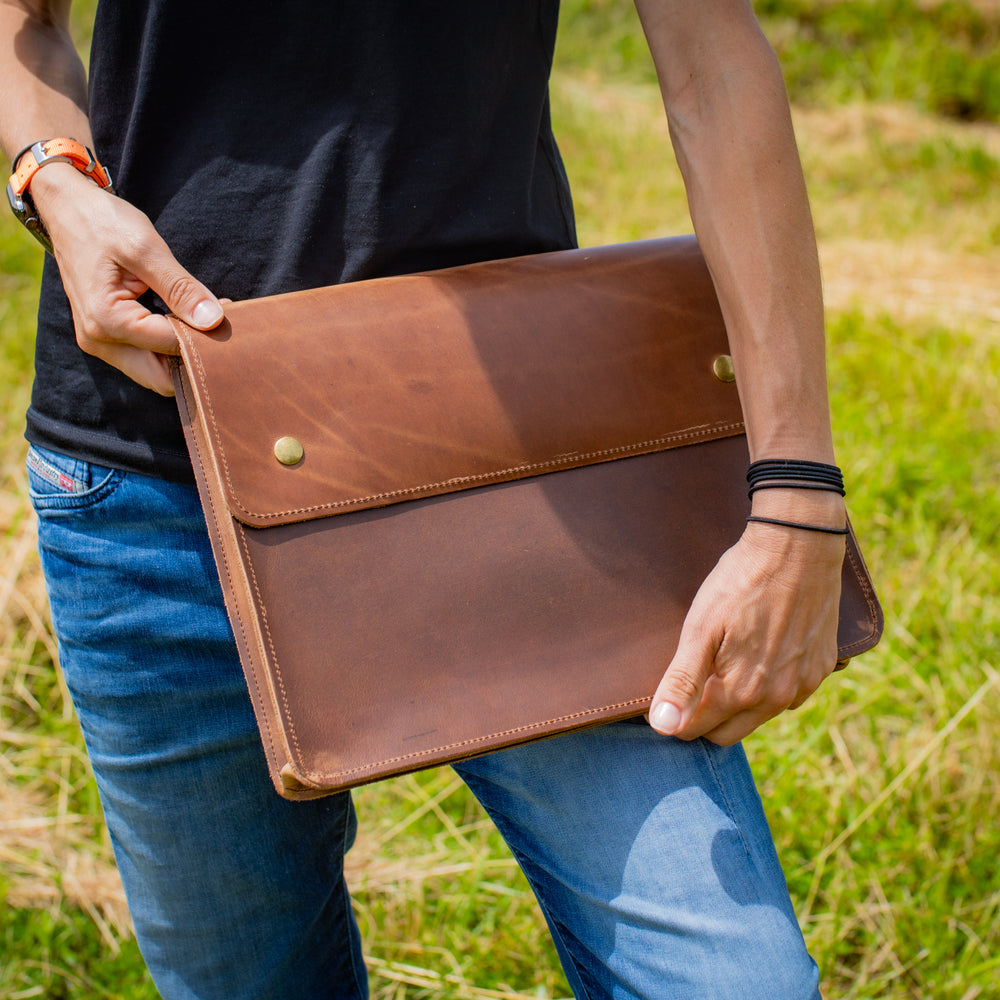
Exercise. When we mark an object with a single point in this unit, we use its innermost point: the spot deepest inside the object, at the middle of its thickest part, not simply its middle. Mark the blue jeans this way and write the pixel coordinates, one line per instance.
(651, 857)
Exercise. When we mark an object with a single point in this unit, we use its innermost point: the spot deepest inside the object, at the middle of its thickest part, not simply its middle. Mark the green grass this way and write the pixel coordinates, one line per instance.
(944, 57)
(65, 960)
(906, 904)
(941, 57)
(18, 298)
(883, 790)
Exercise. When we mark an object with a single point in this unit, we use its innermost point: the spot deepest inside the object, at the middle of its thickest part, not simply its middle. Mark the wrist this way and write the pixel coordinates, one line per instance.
(815, 543)
(56, 183)
(45, 169)
(792, 504)
(799, 493)
(60, 196)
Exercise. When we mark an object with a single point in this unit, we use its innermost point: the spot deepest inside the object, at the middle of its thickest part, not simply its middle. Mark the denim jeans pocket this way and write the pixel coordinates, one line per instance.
(59, 482)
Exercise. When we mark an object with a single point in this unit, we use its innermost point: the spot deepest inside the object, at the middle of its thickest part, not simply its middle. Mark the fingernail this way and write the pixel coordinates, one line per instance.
(665, 718)
(206, 314)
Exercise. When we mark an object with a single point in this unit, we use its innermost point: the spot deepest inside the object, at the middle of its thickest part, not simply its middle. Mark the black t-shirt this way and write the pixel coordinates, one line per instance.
(290, 144)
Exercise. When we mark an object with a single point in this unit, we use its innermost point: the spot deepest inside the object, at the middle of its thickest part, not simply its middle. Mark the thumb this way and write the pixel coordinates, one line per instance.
(679, 693)
(192, 302)
(186, 297)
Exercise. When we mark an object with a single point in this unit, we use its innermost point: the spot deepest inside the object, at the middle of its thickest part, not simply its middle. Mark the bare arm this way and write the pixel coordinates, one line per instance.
(761, 635)
(41, 75)
(108, 252)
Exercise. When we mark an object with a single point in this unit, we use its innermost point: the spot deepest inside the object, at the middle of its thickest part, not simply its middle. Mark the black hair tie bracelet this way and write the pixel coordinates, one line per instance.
(778, 473)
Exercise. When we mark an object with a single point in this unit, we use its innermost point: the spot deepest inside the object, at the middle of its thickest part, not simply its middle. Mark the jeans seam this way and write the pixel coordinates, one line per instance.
(723, 791)
(360, 974)
(555, 926)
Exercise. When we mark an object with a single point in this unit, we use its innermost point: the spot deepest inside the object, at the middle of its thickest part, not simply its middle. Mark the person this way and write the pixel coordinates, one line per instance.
(284, 146)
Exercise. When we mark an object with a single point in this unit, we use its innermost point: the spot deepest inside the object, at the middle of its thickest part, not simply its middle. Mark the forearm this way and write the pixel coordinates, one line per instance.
(42, 79)
(108, 251)
(761, 634)
(732, 132)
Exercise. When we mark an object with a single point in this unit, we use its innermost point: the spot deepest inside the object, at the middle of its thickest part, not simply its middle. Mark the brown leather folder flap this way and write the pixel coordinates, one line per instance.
(448, 380)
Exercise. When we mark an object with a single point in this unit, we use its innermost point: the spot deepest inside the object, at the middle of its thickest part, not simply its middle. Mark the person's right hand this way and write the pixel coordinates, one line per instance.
(109, 254)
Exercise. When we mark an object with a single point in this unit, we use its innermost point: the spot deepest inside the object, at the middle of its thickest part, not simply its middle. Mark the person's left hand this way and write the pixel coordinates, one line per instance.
(760, 636)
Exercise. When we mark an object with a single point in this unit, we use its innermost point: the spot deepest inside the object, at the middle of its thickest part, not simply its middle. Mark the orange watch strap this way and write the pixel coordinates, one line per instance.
(31, 160)
(60, 150)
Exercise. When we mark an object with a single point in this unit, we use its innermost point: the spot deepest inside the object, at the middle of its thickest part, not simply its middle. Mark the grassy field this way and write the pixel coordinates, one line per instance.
(884, 790)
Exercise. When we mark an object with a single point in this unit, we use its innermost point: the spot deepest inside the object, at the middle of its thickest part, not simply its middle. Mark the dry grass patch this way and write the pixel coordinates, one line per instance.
(889, 173)
(848, 129)
(913, 280)
(51, 855)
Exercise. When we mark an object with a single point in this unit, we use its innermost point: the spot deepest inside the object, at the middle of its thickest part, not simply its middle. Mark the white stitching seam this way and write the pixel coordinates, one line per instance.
(622, 451)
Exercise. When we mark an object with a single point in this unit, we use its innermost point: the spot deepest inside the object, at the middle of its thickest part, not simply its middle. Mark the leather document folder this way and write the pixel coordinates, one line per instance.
(469, 508)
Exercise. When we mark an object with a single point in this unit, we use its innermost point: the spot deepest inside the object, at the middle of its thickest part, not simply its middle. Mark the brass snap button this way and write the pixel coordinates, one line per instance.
(288, 451)
(722, 368)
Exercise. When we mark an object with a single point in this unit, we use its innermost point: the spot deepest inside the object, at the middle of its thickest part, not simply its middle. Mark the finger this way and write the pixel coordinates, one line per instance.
(155, 333)
(719, 703)
(185, 296)
(734, 705)
(808, 686)
(737, 727)
(680, 691)
(149, 368)
(126, 322)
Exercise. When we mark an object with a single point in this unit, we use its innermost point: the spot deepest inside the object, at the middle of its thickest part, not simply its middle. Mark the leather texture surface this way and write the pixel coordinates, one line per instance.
(515, 476)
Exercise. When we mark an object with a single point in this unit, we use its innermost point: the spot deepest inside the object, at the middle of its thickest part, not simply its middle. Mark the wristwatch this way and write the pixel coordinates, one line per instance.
(31, 160)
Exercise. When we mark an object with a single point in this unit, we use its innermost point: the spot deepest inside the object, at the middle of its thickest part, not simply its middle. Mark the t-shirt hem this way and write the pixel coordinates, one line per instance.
(108, 450)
